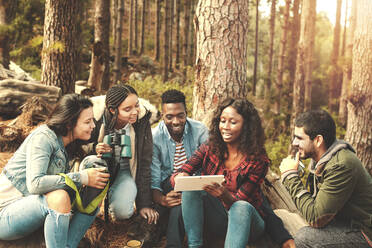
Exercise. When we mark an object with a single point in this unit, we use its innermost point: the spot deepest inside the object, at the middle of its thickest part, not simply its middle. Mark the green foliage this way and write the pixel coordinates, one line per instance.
(277, 150)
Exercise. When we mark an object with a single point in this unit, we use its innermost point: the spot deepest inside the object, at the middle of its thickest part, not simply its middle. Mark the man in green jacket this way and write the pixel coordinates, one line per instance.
(338, 202)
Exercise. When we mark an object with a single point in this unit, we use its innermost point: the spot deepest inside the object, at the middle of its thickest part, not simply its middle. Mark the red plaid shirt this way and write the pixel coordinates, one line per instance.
(243, 182)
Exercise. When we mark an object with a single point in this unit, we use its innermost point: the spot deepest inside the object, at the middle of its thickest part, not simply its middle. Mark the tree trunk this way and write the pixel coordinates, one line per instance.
(347, 70)
(309, 10)
(221, 56)
(99, 77)
(59, 44)
(143, 24)
(192, 45)
(359, 123)
(304, 59)
(166, 40)
(117, 41)
(178, 40)
(271, 52)
(255, 51)
(4, 33)
(136, 26)
(114, 18)
(186, 29)
(130, 40)
(171, 16)
(157, 32)
(293, 44)
(334, 73)
(282, 46)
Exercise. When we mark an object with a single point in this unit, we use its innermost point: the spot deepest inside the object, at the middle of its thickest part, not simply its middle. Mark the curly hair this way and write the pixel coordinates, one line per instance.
(173, 96)
(252, 137)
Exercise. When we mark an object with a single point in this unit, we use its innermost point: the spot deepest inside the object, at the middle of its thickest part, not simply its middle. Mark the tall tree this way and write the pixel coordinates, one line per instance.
(302, 82)
(221, 56)
(157, 31)
(255, 50)
(347, 70)
(5, 15)
(334, 73)
(171, 16)
(117, 40)
(178, 40)
(143, 23)
(282, 47)
(192, 45)
(293, 44)
(130, 23)
(359, 121)
(166, 40)
(59, 44)
(271, 52)
(99, 77)
(136, 26)
(186, 29)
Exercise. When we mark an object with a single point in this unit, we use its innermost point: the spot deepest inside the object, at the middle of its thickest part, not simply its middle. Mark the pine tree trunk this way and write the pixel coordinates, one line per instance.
(114, 18)
(334, 73)
(293, 44)
(143, 24)
(4, 34)
(99, 77)
(130, 40)
(59, 44)
(178, 40)
(171, 16)
(309, 28)
(186, 29)
(166, 40)
(117, 41)
(221, 56)
(192, 45)
(282, 49)
(347, 70)
(359, 123)
(136, 26)
(271, 52)
(157, 32)
(302, 82)
(255, 51)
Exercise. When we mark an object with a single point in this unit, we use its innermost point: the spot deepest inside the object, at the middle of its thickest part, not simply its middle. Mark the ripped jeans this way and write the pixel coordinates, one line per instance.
(28, 214)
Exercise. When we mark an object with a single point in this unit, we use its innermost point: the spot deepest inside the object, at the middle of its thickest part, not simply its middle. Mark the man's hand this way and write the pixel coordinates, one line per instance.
(171, 199)
(151, 215)
(98, 177)
(289, 164)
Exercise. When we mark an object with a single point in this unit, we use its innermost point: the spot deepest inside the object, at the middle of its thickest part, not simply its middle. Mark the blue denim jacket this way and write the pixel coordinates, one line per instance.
(194, 135)
(34, 166)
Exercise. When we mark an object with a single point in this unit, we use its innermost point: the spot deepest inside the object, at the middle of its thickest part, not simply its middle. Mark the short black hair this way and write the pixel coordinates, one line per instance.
(318, 122)
(173, 96)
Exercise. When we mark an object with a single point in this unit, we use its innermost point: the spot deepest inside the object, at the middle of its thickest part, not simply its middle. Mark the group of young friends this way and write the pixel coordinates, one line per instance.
(337, 204)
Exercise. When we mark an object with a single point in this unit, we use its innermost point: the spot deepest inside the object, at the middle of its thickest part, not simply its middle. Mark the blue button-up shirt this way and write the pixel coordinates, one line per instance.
(195, 133)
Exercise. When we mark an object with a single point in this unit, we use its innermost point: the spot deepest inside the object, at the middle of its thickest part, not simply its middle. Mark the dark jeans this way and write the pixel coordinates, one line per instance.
(337, 234)
(175, 231)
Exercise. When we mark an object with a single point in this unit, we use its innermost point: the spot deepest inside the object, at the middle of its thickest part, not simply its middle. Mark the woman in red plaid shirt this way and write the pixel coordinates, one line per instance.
(236, 150)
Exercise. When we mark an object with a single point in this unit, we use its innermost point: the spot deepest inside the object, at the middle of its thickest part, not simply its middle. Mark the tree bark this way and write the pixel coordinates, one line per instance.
(271, 52)
(178, 40)
(282, 47)
(255, 50)
(186, 29)
(59, 44)
(157, 32)
(359, 123)
(99, 77)
(221, 55)
(171, 16)
(166, 40)
(130, 23)
(334, 73)
(192, 45)
(347, 70)
(136, 26)
(117, 40)
(143, 24)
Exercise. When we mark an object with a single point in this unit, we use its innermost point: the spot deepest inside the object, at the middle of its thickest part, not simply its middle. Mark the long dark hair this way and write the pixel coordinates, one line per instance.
(252, 137)
(114, 97)
(64, 117)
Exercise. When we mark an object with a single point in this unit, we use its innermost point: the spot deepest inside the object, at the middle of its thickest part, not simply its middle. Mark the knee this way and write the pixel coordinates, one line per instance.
(121, 212)
(91, 162)
(190, 195)
(242, 208)
(59, 200)
(303, 237)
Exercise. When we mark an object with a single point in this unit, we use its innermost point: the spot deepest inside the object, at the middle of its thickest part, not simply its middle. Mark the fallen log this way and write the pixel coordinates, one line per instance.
(14, 93)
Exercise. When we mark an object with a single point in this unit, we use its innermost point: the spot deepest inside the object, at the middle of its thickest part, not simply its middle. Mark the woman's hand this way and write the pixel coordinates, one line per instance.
(102, 148)
(151, 215)
(215, 190)
(98, 177)
(171, 199)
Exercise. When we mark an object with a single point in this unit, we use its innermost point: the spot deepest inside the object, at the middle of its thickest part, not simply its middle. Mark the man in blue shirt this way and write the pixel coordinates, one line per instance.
(175, 139)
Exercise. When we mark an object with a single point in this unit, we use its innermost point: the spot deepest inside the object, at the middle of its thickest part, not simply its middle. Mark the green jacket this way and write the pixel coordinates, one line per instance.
(340, 187)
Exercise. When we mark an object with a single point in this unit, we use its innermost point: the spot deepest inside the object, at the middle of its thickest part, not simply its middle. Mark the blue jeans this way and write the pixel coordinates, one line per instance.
(242, 223)
(28, 214)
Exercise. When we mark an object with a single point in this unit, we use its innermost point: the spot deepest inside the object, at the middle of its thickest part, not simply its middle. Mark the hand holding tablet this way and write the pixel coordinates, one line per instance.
(189, 183)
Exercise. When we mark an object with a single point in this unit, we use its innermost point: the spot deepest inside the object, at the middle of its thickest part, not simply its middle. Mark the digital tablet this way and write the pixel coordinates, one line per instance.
(189, 183)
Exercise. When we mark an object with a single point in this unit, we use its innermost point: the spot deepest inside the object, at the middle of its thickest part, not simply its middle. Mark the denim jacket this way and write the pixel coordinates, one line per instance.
(34, 166)
(194, 135)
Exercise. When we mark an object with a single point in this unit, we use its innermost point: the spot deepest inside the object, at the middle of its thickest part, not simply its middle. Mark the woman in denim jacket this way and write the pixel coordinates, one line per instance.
(32, 193)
